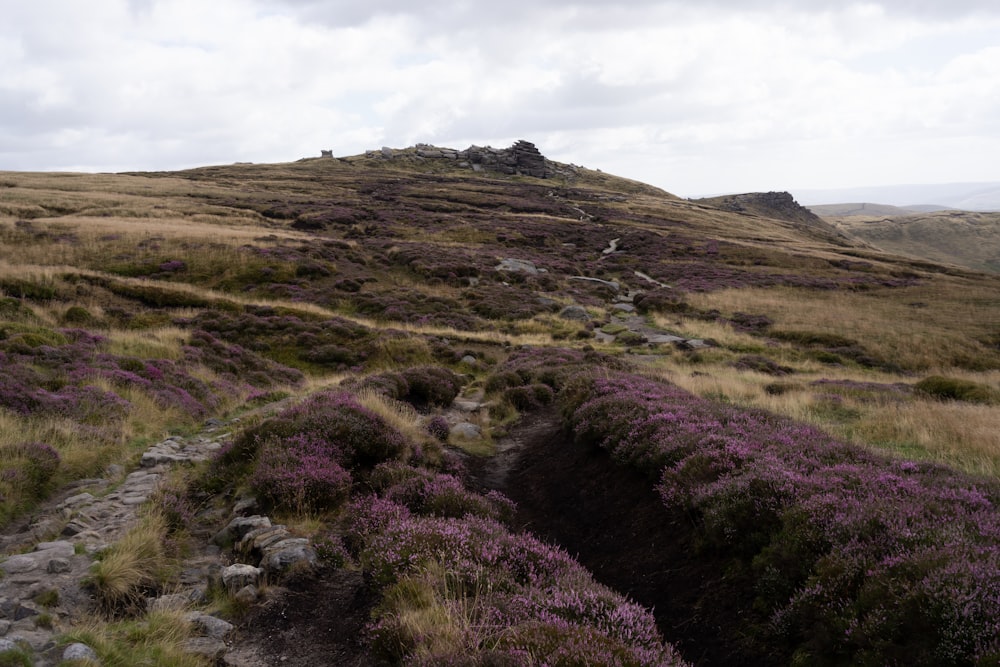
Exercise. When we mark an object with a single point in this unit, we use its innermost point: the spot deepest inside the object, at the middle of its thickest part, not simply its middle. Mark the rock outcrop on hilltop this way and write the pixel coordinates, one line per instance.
(521, 159)
(776, 205)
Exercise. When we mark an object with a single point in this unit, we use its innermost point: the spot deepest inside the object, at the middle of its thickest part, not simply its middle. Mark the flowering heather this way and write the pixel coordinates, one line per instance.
(420, 385)
(899, 560)
(330, 426)
(512, 598)
(437, 427)
(429, 493)
(300, 473)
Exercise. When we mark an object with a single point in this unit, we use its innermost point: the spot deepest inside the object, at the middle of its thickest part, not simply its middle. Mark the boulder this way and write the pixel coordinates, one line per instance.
(577, 313)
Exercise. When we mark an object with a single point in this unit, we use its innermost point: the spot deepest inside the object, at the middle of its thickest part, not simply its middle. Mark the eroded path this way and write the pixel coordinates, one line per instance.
(613, 521)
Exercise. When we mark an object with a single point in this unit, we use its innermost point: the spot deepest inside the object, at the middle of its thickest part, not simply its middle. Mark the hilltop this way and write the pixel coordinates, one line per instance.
(430, 406)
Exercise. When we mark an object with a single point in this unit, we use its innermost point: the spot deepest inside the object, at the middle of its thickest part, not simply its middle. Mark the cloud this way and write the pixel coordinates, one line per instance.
(715, 96)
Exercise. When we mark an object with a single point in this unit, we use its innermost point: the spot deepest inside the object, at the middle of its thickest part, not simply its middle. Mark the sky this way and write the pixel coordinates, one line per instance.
(697, 98)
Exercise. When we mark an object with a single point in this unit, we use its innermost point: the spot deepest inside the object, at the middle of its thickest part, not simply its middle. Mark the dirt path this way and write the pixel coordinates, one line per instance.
(613, 521)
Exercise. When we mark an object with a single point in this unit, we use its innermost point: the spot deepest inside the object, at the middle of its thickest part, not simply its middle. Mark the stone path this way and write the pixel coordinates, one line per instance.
(47, 558)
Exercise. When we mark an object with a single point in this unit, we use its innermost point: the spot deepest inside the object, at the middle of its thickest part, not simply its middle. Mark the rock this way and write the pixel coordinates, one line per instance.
(239, 527)
(173, 602)
(79, 651)
(287, 554)
(623, 307)
(4, 627)
(517, 266)
(78, 499)
(466, 404)
(246, 595)
(577, 313)
(469, 360)
(244, 505)
(387, 153)
(239, 576)
(58, 566)
(467, 430)
(209, 626)
(613, 285)
(19, 564)
(7, 644)
(207, 647)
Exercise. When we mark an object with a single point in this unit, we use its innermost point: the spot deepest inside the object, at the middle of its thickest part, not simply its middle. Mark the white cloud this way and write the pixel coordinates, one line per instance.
(725, 95)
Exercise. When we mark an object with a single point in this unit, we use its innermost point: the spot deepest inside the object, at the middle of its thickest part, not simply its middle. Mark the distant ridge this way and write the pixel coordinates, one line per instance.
(965, 196)
(869, 209)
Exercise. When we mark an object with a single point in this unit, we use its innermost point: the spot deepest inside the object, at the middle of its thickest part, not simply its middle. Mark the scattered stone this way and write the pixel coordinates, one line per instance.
(469, 360)
(79, 651)
(577, 313)
(288, 554)
(246, 595)
(78, 499)
(19, 564)
(510, 265)
(207, 647)
(239, 527)
(466, 430)
(466, 404)
(58, 566)
(614, 285)
(623, 307)
(172, 602)
(8, 644)
(239, 576)
(245, 505)
(209, 626)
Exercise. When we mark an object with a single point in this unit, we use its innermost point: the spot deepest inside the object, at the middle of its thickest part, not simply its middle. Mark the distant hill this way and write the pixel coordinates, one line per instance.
(776, 206)
(965, 238)
(869, 209)
(965, 196)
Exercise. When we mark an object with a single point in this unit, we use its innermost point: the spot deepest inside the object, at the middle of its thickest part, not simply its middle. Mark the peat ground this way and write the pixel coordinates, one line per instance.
(612, 520)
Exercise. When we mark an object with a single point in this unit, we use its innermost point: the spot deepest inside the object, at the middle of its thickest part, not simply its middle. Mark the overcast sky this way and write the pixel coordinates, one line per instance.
(695, 97)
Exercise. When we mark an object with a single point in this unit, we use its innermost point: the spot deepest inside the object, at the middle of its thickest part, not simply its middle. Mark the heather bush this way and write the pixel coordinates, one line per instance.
(320, 439)
(428, 493)
(954, 389)
(854, 558)
(431, 385)
(301, 474)
(26, 468)
(466, 591)
(437, 426)
(529, 397)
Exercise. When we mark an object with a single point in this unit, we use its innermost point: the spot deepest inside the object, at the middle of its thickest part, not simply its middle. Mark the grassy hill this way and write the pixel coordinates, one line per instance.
(747, 369)
(962, 238)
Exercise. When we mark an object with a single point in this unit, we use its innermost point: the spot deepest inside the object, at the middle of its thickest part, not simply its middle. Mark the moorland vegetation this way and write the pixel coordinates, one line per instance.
(817, 420)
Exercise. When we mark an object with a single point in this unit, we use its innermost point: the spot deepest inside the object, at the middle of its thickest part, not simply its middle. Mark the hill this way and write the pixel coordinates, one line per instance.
(963, 238)
(865, 209)
(472, 406)
(964, 196)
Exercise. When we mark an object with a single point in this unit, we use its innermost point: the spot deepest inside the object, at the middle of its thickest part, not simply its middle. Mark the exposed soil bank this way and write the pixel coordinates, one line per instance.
(612, 520)
(319, 620)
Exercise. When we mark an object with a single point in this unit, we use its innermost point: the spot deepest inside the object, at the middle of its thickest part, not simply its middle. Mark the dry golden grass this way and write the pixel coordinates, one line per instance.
(927, 327)
(135, 562)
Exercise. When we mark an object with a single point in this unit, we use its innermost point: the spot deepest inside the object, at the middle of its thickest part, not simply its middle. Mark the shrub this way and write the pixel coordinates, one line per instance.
(437, 426)
(431, 385)
(529, 397)
(953, 389)
(300, 473)
(329, 424)
(27, 468)
(855, 558)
